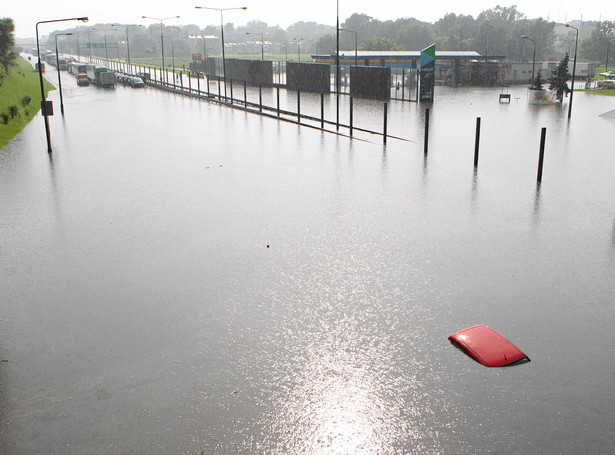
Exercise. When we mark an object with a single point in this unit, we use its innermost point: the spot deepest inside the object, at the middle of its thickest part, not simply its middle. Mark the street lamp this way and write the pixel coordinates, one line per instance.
(337, 67)
(298, 40)
(606, 63)
(262, 43)
(58, 67)
(89, 46)
(574, 68)
(285, 52)
(356, 48)
(161, 39)
(222, 36)
(105, 35)
(127, 41)
(40, 75)
(534, 57)
(173, 57)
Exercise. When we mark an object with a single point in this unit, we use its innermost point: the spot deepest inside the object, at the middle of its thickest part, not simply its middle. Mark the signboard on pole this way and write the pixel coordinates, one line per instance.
(427, 75)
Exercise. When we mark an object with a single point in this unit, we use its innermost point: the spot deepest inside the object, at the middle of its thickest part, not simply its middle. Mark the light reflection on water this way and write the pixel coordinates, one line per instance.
(139, 282)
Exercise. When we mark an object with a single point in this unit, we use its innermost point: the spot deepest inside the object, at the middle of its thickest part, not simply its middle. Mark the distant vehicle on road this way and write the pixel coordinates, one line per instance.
(99, 75)
(608, 81)
(137, 82)
(144, 76)
(82, 79)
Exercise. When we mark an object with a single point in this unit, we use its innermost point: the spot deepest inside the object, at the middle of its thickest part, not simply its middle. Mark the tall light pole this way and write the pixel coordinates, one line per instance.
(285, 52)
(534, 57)
(127, 40)
(337, 67)
(105, 35)
(161, 39)
(356, 44)
(262, 43)
(89, 45)
(574, 68)
(58, 67)
(222, 36)
(298, 40)
(40, 76)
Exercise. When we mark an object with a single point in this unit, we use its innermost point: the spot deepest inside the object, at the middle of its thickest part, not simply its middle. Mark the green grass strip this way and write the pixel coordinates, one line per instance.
(21, 82)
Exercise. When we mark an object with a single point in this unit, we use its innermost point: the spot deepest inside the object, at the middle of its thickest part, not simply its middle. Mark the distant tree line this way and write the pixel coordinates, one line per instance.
(495, 31)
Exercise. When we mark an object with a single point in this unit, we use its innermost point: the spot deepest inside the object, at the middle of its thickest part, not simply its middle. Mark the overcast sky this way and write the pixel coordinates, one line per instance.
(26, 13)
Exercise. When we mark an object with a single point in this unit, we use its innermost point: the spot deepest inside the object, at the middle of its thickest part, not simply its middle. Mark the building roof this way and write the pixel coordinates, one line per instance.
(350, 54)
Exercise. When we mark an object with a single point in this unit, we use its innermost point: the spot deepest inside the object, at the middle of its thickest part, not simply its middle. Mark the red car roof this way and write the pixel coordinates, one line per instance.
(487, 346)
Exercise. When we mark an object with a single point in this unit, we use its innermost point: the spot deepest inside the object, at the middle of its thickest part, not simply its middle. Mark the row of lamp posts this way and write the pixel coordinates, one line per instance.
(221, 10)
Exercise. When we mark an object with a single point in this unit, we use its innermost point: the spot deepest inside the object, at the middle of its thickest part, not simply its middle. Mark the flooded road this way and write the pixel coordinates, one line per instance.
(181, 277)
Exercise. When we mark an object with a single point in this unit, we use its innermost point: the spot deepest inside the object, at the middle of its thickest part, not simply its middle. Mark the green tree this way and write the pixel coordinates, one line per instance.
(537, 82)
(380, 44)
(8, 57)
(559, 79)
(326, 44)
(596, 45)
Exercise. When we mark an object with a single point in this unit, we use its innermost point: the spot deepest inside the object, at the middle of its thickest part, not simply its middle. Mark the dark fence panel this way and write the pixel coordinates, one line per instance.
(212, 67)
(311, 77)
(370, 82)
(254, 72)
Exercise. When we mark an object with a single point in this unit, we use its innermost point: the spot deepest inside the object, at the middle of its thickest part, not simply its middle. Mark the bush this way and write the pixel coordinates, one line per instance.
(25, 100)
(13, 110)
(5, 118)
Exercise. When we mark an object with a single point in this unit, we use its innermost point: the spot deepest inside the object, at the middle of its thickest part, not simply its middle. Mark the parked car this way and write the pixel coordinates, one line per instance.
(136, 82)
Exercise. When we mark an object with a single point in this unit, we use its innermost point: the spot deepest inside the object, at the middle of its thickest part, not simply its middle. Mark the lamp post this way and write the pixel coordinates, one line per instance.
(574, 68)
(89, 46)
(534, 56)
(40, 75)
(222, 36)
(298, 40)
(262, 43)
(105, 35)
(606, 63)
(127, 41)
(161, 39)
(337, 67)
(285, 52)
(58, 67)
(356, 43)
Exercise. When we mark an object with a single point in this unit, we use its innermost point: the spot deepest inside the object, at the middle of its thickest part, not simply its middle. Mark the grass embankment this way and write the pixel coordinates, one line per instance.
(15, 109)
(602, 91)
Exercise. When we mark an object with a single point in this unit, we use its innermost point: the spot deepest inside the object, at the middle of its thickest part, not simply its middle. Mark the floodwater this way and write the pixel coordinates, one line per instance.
(184, 278)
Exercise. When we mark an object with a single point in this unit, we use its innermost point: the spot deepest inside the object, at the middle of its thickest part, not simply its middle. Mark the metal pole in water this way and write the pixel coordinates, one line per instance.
(543, 137)
(207, 81)
(231, 82)
(384, 135)
(278, 100)
(351, 114)
(298, 106)
(426, 147)
(260, 97)
(476, 141)
(322, 111)
(245, 94)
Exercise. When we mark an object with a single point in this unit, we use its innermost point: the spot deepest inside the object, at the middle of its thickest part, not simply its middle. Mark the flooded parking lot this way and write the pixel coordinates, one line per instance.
(181, 277)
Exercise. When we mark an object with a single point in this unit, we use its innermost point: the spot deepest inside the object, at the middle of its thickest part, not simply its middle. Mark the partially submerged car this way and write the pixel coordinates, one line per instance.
(487, 346)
